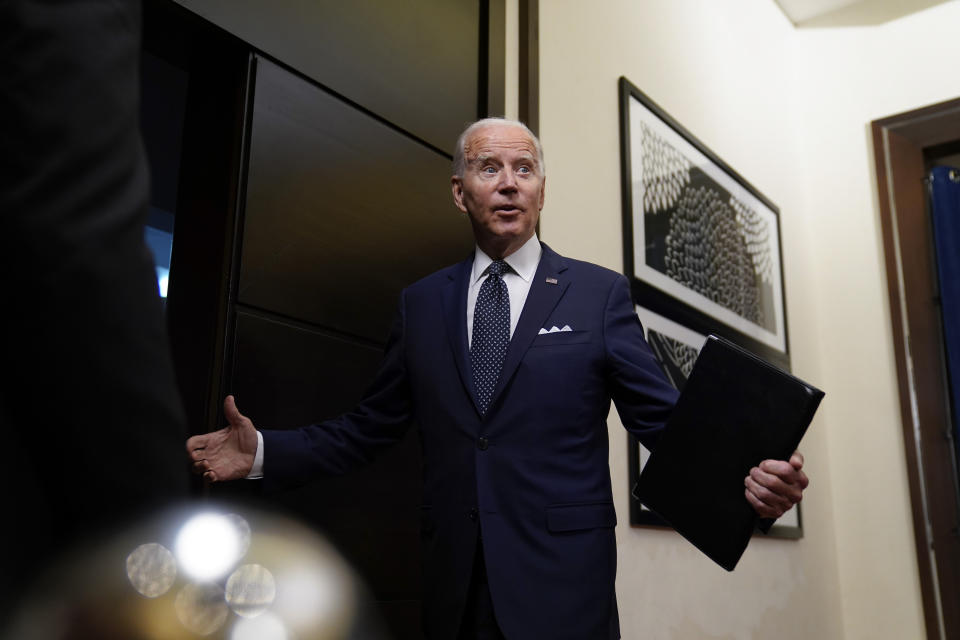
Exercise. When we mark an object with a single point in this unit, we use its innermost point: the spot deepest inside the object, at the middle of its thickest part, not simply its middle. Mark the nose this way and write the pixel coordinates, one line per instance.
(508, 182)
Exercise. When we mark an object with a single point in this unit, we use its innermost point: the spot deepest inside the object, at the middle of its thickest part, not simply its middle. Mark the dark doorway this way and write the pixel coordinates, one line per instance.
(289, 232)
(904, 145)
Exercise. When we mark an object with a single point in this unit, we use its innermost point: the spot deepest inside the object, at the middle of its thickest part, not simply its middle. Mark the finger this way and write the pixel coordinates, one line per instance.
(767, 495)
(771, 498)
(796, 460)
(786, 472)
(782, 470)
(196, 442)
(771, 481)
(765, 509)
(792, 491)
(198, 453)
(762, 509)
(200, 467)
(210, 476)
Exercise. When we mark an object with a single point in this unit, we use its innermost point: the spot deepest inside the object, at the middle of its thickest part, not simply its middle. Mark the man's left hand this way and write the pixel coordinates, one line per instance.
(774, 486)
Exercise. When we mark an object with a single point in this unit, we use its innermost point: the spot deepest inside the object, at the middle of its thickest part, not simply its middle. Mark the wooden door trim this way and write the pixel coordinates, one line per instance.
(899, 142)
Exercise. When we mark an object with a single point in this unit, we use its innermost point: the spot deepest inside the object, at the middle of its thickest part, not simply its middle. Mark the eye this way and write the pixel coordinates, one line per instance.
(524, 170)
(489, 169)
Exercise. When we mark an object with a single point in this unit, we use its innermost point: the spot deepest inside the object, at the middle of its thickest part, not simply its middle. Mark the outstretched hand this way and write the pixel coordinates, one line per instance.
(226, 454)
(774, 486)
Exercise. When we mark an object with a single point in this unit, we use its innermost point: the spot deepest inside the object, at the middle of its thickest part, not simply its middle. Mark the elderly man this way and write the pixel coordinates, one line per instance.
(518, 514)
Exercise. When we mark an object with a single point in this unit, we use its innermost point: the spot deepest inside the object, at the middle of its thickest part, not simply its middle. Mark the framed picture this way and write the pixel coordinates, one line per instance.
(677, 348)
(701, 245)
(702, 252)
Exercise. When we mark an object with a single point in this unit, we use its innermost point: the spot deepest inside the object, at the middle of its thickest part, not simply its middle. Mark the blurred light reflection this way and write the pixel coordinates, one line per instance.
(243, 532)
(250, 590)
(312, 595)
(201, 608)
(208, 545)
(151, 569)
(291, 584)
(265, 627)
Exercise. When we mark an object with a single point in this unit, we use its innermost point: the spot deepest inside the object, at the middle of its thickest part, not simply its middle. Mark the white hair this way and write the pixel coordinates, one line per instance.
(460, 162)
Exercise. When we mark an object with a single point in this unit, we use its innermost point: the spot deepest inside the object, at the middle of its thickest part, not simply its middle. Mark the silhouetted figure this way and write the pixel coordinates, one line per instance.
(92, 423)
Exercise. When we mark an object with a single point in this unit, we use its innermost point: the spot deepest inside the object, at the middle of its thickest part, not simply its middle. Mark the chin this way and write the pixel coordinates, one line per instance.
(511, 230)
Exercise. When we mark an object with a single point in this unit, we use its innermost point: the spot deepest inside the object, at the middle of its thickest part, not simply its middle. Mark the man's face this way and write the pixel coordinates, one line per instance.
(501, 189)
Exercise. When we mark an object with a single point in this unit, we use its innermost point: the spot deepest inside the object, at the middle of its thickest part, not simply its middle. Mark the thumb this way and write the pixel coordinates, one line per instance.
(231, 413)
(796, 460)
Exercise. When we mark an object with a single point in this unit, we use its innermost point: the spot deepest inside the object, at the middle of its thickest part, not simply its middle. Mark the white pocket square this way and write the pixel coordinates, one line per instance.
(555, 329)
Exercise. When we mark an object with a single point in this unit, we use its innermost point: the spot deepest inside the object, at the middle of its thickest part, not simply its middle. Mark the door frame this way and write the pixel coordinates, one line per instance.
(901, 145)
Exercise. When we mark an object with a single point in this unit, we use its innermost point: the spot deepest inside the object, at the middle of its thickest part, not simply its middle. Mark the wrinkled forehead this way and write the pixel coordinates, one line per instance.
(496, 139)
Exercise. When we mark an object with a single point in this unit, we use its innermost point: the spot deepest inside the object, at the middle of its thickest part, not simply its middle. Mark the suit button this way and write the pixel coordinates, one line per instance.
(483, 444)
(473, 514)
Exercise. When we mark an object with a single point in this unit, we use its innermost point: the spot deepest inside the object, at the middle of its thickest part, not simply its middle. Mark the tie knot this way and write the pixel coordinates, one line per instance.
(498, 268)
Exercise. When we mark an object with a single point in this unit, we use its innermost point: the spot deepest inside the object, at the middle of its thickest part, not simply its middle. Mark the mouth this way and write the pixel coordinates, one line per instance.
(507, 210)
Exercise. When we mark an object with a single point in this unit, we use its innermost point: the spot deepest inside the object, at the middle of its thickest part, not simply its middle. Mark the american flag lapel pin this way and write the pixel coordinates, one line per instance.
(551, 281)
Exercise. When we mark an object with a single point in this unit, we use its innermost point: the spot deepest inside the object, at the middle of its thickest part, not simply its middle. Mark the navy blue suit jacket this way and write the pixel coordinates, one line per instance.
(533, 472)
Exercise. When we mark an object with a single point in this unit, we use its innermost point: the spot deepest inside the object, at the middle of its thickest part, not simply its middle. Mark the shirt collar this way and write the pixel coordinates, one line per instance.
(523, 261)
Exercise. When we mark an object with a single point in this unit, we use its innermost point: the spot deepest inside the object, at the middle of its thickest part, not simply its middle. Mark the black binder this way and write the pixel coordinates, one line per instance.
(735, 411)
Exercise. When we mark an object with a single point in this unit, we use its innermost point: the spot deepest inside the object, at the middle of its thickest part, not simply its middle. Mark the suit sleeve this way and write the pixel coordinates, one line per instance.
(334, 447)
(641, 392)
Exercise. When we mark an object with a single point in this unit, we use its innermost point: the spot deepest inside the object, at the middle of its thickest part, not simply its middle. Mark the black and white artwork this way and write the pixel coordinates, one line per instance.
(702, 252)
(700, 234)
(677, 347)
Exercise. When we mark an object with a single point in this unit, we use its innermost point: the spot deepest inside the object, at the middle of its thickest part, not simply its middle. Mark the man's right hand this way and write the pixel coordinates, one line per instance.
(226, 454)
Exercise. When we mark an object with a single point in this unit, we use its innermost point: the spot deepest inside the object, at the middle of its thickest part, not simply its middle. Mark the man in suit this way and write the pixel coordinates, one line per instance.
(507, 363)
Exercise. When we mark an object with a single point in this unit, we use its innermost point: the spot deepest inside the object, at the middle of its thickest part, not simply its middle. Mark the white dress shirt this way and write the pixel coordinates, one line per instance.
(523, 262)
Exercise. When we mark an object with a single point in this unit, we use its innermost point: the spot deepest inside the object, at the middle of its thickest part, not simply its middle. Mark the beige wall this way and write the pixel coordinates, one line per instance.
(789, 110)
(855, 75)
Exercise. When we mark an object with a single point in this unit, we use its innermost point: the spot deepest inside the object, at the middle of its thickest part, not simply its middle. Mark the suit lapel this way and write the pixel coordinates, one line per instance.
(541, 301)
(454, 296)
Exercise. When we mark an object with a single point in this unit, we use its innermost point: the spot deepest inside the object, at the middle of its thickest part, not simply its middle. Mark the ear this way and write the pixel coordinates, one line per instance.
(456, 185)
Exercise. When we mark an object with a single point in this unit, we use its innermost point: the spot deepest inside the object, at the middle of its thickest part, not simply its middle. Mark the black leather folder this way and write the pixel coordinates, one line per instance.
(735, 411)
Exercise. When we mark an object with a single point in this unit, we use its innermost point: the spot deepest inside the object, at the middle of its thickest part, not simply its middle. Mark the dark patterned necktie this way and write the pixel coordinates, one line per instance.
(491, 332)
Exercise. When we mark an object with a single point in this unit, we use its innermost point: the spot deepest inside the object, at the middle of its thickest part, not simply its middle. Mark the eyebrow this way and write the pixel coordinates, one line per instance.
(484, 158)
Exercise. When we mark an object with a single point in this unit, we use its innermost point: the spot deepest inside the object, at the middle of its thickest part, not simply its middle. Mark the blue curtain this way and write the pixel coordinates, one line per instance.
(945, 210)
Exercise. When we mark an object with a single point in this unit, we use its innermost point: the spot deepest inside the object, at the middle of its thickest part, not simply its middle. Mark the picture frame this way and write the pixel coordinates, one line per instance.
(702, 252)
(701, 244)
(676, 347)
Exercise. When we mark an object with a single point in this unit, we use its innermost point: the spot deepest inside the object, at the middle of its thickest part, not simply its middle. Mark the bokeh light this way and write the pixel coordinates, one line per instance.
(274, 580)
(201, 608)
(265, 627)
(209, 545)
(314, 594)
(243, 531)
(250, 590)
(151, 569)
